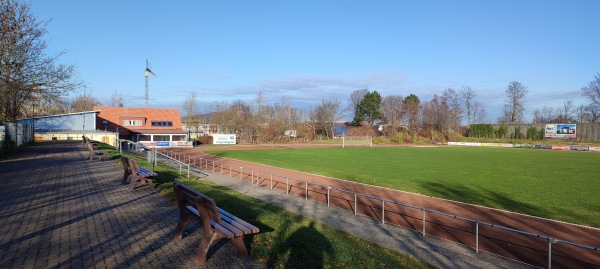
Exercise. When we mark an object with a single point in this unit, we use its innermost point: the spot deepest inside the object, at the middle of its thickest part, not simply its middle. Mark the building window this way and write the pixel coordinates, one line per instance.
(179, 137)
(144, 138)
(132, 123)
(161, 138)
(162, 124)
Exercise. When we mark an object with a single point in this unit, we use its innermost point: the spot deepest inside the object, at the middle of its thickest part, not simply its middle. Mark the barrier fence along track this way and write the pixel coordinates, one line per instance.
(318, 189)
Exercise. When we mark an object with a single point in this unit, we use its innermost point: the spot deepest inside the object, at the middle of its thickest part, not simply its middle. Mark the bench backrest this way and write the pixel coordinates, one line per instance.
(133, 165)
(125, 162)
(205, 205)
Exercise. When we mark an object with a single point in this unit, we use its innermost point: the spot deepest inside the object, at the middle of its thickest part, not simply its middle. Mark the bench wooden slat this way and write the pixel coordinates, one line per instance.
(253, 228)
(228, 234)
(224, 230)
(243, 229)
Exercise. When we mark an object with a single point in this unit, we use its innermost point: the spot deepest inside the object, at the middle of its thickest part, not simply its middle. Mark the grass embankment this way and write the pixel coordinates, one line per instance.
(286, 240)
(551, 184)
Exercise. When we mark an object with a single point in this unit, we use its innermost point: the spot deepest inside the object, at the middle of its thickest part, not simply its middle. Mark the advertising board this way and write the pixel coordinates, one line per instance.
(566, 131)
(223, 139)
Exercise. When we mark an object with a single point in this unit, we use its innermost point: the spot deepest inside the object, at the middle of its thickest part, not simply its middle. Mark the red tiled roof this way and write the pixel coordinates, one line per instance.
(114, 117)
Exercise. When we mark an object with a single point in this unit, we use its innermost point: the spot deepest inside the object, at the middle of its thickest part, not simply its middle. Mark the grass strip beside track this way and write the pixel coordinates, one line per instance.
(286, 240)
(559, 185)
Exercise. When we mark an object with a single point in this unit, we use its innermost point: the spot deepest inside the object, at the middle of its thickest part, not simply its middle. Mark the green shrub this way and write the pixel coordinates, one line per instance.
(542, 134)
(517, 133)
(534, 134)
(481, 130)
(502, 131)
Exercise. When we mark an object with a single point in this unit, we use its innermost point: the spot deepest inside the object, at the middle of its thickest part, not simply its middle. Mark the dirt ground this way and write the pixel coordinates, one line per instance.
(407, 211)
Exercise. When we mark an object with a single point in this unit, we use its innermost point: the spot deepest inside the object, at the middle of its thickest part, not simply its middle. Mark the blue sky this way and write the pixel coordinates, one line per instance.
(314, 50)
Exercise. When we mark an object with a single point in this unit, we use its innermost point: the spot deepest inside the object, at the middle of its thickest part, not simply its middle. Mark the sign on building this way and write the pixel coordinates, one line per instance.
(561, 131)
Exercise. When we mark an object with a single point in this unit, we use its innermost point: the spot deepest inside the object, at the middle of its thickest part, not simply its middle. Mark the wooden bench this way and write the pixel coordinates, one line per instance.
(94, 152)
(143, 175)
(216, 222)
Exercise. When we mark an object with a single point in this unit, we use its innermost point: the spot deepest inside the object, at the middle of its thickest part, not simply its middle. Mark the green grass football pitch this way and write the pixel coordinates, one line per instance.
(559, 185)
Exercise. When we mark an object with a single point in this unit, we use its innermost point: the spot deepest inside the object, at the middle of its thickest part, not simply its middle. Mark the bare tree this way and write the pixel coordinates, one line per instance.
(514, 104)
(238, 119)
(567, 112)
(393, 112)
(430, 112)
(478, 113)
(85, 102)
(325, 115)
(191, 109)
(592, 93)
(451, 100)
(468, 96)
(116, 99)
(473, 109)
(27, 76)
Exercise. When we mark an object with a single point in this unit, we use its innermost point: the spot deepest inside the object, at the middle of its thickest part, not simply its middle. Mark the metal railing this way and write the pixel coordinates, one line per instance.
(235, 171)
(137, 146)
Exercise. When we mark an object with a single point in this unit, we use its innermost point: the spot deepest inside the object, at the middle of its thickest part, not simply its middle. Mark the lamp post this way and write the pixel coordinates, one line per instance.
(33, 111)
(33, 123)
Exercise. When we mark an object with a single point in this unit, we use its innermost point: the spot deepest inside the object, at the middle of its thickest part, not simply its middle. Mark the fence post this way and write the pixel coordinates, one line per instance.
(328, 188)
(423, 221)
(355, 209)
(550, 242)
(287, 185)
(188, 171)
(241, 172)
(306, 192)
(476, 237)
(180, 168)
(271, 181)
(382, 211)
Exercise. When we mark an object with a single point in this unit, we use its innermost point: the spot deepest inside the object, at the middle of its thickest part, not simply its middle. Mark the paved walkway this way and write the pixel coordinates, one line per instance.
(58, 210)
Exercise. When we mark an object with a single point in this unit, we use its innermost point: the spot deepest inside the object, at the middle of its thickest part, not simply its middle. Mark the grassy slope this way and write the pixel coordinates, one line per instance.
(551, 184)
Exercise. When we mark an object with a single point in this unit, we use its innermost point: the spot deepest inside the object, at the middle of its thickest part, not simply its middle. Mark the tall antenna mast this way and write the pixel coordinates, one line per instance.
(148, 70)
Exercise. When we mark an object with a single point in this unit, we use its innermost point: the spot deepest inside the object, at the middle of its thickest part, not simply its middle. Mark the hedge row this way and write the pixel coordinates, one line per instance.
(503, 131)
